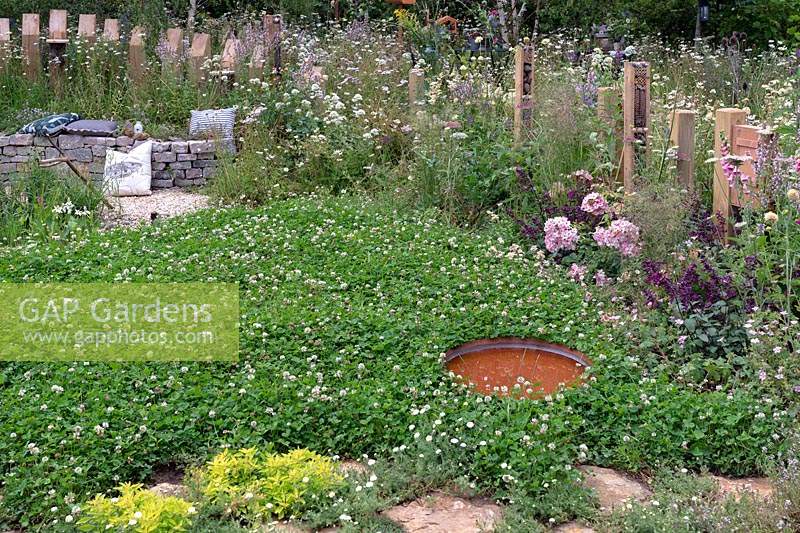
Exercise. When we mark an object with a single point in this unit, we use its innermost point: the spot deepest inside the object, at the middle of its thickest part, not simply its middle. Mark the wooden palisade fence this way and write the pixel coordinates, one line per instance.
(57, 47)
(87, 28)
(174, 62)
(5, 42)
(31, 55)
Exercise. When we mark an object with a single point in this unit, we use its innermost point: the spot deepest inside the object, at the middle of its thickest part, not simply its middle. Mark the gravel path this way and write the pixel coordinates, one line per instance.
(131, 211)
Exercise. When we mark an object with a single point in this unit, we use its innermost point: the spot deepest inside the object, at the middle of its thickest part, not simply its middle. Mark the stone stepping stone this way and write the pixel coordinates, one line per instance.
(573, 527)
(440, 513)
(166, 490)
(613, 489)
(757, 486)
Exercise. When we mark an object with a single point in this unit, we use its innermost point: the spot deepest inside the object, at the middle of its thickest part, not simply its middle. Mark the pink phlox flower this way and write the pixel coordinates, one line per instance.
(577, 272)
(594, 204)
(559, 234)
(622, 235)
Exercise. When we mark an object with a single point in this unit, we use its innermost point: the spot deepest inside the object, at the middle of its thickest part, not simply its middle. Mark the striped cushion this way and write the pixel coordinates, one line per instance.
(213, 123)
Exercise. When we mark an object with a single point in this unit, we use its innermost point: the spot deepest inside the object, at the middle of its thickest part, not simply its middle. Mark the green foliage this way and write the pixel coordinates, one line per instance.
(257, 484)
(683, 502)
(466, 170)
(41, 205)
(136, 509)
(363, 298)
(762, 20)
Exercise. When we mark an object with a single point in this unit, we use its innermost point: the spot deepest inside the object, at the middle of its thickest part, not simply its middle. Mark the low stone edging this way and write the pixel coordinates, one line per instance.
(176, 163)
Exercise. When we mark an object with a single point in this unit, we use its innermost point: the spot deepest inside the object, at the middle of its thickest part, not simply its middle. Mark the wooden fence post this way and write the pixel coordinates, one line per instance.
(726, 119)
(5, 42)
(87, 28)
(172, 60)
(257, 61)
(273, 25)
(230, 56)
(31, 55)
(57, 47)
(199, 54)
(682, 136)
(416, 89)
(137, 60)
(111, 30)
(523, 91)
(636, 118)
(609, 113)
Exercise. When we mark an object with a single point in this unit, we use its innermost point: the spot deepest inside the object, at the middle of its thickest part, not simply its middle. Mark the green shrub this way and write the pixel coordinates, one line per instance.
(254, 484)
(42, 205)
(136, 510)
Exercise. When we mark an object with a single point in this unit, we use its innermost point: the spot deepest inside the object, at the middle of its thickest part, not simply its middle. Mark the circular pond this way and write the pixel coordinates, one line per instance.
(520, 367)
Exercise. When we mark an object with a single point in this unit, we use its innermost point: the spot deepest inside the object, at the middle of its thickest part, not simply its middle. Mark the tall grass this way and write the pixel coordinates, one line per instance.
(43, 204)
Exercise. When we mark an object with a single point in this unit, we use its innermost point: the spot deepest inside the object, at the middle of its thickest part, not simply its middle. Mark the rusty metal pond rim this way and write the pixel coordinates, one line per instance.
(516, 343)
(498, 366)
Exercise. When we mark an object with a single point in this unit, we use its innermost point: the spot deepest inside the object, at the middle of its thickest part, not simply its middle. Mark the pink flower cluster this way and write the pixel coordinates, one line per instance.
(559, 234)
(730, 167)
(577, 272)
(621, 235)
(594, 204)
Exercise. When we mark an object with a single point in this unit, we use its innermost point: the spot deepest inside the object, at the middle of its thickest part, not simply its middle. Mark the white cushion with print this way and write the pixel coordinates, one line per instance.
(128, 174)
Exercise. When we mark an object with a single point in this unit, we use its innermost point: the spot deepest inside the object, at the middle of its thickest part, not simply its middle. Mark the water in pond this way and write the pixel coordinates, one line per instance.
(495, 366)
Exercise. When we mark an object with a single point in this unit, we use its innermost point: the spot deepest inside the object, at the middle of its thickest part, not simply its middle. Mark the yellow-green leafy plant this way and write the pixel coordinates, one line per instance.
(255, 484)
(136, 509)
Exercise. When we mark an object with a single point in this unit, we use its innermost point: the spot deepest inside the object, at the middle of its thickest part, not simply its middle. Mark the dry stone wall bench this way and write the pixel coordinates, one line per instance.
(176, 163)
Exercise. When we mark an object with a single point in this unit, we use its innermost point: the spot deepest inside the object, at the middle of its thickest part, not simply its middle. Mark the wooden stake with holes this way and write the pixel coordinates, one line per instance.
(57, 48)
(635, 118)
(87, 28)
(5, 42)
(31, 54)
(523, 91)
(111, 30)
(416, 90)
(199, 54)
(171, 63)
(726, 119)
(682, 137)
(748, 143)
(274, 25)
(137, 59)
(609, 111)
